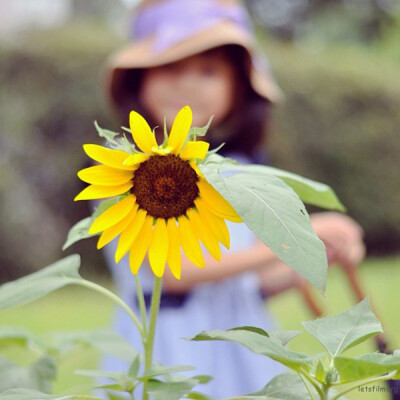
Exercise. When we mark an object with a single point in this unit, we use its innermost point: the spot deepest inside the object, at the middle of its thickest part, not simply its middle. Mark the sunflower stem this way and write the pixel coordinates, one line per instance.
(314, 383)
(149, 342)
(113, 297)
(307, 385)
(142, 306)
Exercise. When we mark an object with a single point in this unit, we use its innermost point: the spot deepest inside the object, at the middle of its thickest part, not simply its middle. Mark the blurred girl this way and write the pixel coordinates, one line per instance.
(202, 53)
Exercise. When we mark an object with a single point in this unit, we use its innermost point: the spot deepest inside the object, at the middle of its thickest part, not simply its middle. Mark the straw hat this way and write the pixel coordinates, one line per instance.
(165, 31)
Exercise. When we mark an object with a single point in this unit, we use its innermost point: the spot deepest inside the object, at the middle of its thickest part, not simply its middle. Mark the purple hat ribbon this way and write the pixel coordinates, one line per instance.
(175, 20)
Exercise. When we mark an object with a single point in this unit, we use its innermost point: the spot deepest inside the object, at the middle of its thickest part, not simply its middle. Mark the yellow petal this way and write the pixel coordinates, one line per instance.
(204, 233)
(196, 168)
(111, 233)
(113, 215)
(190, 243)
(112, 158)
(195, 150)
(215, 223)
(158, 249)
(93, 192)
(105, 176)
(140, 245)
(129, 235)
(216, 203)
(174, 254)
(134, 159)
(180, 129)
(141, 132)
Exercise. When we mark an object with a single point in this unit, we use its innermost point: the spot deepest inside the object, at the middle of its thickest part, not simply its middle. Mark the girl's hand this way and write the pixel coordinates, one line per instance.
(342, 236)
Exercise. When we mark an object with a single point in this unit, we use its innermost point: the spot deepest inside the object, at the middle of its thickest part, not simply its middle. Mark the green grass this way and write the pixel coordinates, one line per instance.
(77, 308)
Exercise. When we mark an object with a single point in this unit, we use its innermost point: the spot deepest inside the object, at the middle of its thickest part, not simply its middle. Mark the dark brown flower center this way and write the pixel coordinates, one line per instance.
(165, 186)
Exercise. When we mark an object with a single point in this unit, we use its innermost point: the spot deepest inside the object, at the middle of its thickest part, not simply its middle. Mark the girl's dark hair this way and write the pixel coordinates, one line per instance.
(245, 126)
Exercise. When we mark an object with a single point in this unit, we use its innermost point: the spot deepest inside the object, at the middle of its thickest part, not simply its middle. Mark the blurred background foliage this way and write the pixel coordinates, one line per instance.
(337, 62)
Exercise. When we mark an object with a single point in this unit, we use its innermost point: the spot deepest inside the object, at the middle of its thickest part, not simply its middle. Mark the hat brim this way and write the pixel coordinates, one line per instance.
(141, 55)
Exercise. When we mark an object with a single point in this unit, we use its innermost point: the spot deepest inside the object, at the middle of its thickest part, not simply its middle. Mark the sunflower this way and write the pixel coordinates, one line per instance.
(164, 201)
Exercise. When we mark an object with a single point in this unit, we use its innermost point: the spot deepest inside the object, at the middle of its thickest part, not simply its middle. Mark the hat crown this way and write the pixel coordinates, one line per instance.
(171, 21)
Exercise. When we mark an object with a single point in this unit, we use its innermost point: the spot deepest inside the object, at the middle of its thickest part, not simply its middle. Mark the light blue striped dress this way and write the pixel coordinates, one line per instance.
(223, 304)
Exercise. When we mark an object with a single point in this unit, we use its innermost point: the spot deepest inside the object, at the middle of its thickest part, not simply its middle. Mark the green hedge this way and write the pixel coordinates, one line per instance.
(339, 124)
(51, 95)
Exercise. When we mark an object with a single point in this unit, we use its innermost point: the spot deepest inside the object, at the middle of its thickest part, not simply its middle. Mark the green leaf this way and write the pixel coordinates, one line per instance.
(283, 337)
(251, 329)
(166, 137)
(121, 378)
(260, 344)
(45, 369)
(158, 370)
(104, 340)
(309, 191)
(115, 396)
(21, 337)
(125, 145)
(109, 136)
(105, 205)
(41, 283)
(199, 396)
(274, 212)
(287, 386)
(323, 369)
(320, 372)
(112, 386)
(196, 131)
(27, 394)
(78, 232)
(134, 367)
(39, 376)
(203, 379)
(365, 366)
(94, 373)
(170, 390)
(340, 332)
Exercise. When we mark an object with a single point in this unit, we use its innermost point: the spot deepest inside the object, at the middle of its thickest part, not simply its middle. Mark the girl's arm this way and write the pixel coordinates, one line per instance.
(342, 237)
(278, 277)
(255, 257)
